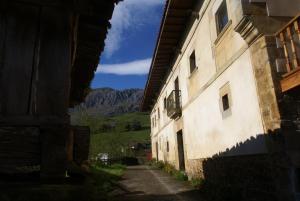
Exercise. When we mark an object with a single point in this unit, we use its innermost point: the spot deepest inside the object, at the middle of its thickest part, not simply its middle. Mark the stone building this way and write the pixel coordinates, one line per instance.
(224, 93)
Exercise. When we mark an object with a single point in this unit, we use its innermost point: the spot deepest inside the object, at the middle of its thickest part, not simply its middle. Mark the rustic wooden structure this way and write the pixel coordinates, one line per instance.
(289, 40)
(49, 51)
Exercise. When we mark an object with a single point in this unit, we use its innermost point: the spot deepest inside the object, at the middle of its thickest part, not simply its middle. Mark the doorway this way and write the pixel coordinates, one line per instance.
(156, 147)
(181, 158)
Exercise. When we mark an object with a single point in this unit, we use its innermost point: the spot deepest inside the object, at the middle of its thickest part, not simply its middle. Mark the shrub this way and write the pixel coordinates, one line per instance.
(159, 164)
(180, 175)
(169, 168)
(197, 183)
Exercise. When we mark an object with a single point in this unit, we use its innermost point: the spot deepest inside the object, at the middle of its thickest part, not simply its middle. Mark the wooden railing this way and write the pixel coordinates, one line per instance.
(174, 104)
(289, 40)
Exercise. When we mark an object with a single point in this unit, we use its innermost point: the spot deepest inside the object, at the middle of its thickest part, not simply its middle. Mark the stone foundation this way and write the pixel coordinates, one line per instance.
(194, 168)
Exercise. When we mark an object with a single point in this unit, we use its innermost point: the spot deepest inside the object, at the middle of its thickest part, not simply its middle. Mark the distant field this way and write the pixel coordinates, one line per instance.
(115, 135)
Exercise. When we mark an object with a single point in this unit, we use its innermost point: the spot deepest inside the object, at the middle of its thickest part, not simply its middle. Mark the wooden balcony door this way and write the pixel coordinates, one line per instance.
(180, 145)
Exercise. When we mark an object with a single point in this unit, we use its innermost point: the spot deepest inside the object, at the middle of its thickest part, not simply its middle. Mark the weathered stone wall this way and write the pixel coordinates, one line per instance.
(263, 56)
(194, 168)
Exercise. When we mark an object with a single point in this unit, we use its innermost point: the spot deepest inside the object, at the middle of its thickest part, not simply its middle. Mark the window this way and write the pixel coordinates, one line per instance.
(192, 62)
(225, 102)
(158, 113)
(221, 17)
(165, 103)
(168, 146)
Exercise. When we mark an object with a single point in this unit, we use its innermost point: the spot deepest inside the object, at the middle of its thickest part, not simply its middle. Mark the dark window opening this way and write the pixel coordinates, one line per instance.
(158, 113)
(192, 62)
(165, 103)
(225, 102)
(222, 17)
(167, 146)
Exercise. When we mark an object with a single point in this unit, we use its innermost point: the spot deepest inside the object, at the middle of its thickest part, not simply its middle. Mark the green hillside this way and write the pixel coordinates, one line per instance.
(115, 135)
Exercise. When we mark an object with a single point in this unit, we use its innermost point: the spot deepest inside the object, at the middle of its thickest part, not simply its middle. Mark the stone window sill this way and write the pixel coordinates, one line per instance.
(193, 73)
(221, 34)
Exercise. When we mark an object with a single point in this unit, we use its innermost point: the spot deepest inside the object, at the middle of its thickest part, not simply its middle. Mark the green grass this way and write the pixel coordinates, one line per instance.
(115, 171)
(117, 141)
(170, 169)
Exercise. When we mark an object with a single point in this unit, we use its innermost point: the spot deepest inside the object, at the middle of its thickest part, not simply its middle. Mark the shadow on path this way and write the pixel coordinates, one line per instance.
(142, 183)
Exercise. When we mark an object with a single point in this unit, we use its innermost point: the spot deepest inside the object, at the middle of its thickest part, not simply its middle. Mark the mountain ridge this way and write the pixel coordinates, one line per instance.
(108, 101)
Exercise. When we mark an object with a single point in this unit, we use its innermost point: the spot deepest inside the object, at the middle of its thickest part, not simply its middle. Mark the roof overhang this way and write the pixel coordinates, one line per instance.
(175, 20)
(93, 24)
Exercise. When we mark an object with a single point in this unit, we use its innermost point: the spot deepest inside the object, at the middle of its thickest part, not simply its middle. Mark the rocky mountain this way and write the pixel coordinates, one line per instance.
(107, 101)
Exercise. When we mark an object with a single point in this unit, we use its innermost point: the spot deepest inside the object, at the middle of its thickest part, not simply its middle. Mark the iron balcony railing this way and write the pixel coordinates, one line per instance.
(288, 39)
(174, 104)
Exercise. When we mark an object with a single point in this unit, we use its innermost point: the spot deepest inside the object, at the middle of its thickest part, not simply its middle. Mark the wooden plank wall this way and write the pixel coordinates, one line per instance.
(35, 65)
(35, 61)
(17, 58)
(19, 148)
(2, 39)
(54, 69)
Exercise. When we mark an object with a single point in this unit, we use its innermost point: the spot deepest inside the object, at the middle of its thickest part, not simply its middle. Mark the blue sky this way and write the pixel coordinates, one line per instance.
(129, 48)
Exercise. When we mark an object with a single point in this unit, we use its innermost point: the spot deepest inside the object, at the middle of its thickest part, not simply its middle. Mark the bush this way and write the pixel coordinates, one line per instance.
(170, 169)
(180, 175)
(159, 165)
(197, 183)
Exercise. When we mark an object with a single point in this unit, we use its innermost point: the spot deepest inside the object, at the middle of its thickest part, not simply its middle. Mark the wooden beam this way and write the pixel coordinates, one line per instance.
(291, 80)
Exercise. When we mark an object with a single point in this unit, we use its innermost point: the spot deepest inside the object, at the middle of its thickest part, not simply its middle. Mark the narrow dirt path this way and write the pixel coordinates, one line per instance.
(141, 183)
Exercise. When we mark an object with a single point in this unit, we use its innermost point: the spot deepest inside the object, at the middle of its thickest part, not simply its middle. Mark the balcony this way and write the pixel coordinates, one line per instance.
(288, 39)
(174, 104)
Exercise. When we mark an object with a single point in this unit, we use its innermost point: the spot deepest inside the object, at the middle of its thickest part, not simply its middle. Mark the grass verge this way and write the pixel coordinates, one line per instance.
(179, 175)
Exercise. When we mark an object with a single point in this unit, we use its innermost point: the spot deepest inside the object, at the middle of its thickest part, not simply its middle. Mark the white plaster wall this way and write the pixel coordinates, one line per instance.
(205, 132)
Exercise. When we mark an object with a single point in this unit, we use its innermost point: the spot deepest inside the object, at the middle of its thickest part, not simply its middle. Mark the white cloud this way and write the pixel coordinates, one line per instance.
(138, 67)
(130, 14)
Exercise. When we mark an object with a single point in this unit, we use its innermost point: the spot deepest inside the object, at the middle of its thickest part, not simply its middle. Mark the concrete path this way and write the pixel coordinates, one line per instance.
(141, 183)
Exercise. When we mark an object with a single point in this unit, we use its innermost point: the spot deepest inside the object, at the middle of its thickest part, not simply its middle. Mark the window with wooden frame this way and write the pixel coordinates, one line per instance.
(168, 148)
(192, 60)
(225, 101)
(158, 113)
(222, 17)
(165, 103)
(153, 122)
